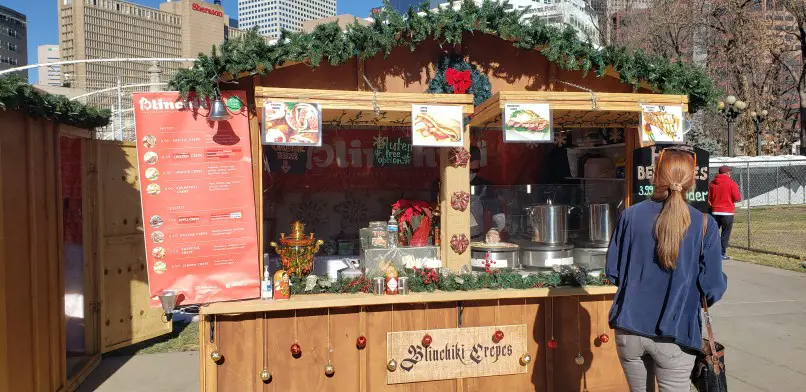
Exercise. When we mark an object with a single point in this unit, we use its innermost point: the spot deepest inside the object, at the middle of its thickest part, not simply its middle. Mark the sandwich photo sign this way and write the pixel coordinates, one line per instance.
(437, 125)
(527, 123)
(662, 123)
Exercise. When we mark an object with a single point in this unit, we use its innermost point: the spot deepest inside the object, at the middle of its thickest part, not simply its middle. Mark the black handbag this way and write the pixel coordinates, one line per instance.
(708, 374)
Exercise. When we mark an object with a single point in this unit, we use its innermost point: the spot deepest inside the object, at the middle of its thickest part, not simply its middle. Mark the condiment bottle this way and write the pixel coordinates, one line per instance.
(391, 281)
(266, 288)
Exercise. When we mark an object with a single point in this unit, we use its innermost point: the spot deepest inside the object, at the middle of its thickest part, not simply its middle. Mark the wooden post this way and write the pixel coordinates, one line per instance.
(453, 179)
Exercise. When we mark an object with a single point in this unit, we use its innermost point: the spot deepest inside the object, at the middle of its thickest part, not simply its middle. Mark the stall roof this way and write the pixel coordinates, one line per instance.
(362, 108)
(577, 109)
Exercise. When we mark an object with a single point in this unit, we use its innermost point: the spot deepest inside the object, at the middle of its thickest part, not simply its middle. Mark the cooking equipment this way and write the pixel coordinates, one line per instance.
(599, 220)
(542, 256)
(498, 255)
(350, 273)
(592, 259)
(549, 223)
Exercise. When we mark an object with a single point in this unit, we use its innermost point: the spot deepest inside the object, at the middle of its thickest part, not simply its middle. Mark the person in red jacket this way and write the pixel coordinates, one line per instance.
(722, 194)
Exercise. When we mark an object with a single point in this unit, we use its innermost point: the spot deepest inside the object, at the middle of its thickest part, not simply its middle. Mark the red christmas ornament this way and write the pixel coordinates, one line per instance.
(553, 344)
(604, 338)
(498, 336)
(459, 243)
(427, 340)
(361, 342)
(296, 350)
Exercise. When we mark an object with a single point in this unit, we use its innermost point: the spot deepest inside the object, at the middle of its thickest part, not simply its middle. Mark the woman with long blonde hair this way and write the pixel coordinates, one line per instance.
(664, 256)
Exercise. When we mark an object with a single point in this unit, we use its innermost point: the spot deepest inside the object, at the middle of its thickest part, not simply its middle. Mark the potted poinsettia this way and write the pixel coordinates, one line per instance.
(414, 220)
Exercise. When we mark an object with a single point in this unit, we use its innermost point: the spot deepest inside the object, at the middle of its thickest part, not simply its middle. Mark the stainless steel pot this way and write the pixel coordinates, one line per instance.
(549, 223)
(500, 257)
(536, 256)
(590, 258)
(600, 223)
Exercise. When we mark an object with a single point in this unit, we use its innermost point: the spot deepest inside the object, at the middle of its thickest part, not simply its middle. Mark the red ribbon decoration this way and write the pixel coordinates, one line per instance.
(459, 80)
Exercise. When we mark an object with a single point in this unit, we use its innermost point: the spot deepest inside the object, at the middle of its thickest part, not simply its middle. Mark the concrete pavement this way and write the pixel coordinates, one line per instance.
(761, 320)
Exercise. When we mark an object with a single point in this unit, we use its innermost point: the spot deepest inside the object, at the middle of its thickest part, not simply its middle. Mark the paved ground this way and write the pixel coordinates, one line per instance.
(761, 320)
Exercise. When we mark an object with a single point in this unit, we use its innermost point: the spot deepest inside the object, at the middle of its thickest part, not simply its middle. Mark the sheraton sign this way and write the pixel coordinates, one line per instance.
(206, 10)
(456, 353)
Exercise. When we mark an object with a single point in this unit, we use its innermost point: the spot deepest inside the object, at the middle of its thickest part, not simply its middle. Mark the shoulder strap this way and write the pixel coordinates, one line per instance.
(709, 329)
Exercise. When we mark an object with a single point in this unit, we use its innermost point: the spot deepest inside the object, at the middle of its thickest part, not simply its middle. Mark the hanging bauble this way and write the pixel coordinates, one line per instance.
(553, 344)
(296, 350)
(525, 359)
(459, 243)
(498, 336)
(329, 369)
(579, 359)
(459, 157)
(427, 340)
(216, 356)
(265, 375)
(361, 342)
(391, 365)
(460, 200)
(604, 338)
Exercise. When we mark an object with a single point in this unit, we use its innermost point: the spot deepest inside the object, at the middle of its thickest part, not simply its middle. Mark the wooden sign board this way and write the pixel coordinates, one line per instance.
(455, 353)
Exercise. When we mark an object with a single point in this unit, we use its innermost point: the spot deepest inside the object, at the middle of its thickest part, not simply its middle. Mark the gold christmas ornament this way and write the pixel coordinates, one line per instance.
(580, 360)
(265, 375)
(391, 365)
(216, 356)
(525, 359)
(329, 369)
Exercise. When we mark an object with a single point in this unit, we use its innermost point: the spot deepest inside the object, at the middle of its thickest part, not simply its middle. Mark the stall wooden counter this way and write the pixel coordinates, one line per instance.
(254, 335)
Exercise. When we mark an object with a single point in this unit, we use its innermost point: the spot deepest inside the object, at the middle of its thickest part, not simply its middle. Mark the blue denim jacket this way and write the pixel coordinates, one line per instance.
(654, 302)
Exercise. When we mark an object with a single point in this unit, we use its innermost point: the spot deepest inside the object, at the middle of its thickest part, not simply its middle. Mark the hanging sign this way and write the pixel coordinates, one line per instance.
(292, 123)
(437, 125)
(662, 124)
(198, 199)
(527, 123)
(455, 353)
(644, 161)
(391, 152)
(286, 159)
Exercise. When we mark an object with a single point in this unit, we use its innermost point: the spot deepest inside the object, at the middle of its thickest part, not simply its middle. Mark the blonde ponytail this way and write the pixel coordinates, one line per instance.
(674, 177)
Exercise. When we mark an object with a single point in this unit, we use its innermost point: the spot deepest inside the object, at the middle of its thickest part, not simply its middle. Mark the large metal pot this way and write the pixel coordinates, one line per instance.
(600, 223)
(498, 256)
(549, 223)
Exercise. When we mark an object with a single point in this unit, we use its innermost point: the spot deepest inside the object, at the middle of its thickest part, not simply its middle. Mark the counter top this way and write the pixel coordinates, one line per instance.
(318, 301)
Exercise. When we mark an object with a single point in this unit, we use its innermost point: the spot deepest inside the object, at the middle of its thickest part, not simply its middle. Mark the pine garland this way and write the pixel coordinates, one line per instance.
(480, 84)
(16, 94)
(250, 54)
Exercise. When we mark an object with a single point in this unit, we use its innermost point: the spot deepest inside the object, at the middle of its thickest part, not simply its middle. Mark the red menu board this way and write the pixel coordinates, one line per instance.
(198, 199)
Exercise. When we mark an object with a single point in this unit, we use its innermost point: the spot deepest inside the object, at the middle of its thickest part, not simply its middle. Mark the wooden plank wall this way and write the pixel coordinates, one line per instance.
(32, 352)
(242, 339)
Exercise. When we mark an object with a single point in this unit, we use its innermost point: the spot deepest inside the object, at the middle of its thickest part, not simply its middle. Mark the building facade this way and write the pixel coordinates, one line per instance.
(273, 16)
(50, 75)
(402, 6)
(13, 40)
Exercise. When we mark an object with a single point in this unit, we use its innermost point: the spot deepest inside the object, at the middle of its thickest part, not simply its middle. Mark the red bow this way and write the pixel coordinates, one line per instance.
(459, 80)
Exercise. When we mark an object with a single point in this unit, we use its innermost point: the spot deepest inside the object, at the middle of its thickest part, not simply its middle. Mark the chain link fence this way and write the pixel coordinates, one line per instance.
(771, 217)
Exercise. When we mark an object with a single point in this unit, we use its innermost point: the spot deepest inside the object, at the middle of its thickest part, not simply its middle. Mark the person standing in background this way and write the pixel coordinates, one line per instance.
(722, 194)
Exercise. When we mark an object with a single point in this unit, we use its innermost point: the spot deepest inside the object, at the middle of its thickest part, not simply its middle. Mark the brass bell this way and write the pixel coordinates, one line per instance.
(391, 365)
(580, 360)
(526, 359)
(329, 369)
(216, 356)
(265, 375)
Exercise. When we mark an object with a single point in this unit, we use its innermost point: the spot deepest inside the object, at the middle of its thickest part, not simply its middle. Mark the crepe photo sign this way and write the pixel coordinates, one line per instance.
(527, 123)
(437, 125)
(291, 124)
(662, 123)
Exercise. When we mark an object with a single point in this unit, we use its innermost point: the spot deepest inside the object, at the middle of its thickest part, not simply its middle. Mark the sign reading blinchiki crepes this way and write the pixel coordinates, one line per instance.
(455, 353)
(198, 198)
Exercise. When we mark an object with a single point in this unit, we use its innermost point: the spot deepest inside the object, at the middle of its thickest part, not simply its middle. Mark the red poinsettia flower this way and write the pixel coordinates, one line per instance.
(459, 80)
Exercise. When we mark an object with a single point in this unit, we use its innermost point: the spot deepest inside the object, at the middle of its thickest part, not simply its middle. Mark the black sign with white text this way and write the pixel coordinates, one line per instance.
(644, 160)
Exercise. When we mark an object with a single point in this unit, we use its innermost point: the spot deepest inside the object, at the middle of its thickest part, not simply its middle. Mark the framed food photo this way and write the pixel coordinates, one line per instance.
(437, 125)
(527, 123)
(292, 124)
(662, 123)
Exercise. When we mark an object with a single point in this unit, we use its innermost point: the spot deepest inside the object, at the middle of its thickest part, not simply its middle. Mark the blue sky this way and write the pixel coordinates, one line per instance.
(43, 28)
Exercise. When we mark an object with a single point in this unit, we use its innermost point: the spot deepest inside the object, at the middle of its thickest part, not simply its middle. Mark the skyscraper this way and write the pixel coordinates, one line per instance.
(272, 16)
(13, 40)
(402, 6)
(50, 75)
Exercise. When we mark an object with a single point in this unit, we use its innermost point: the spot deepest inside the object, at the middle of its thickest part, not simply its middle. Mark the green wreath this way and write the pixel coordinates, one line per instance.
(456, 76)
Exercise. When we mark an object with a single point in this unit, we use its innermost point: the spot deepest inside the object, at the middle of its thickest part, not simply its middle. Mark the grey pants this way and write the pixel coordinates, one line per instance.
(645, 359)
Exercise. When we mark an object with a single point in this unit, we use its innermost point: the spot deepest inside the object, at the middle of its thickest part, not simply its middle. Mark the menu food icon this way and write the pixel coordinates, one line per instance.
(198, 199)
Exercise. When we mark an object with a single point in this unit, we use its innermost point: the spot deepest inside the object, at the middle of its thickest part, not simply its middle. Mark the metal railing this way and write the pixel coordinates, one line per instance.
(771, 216)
